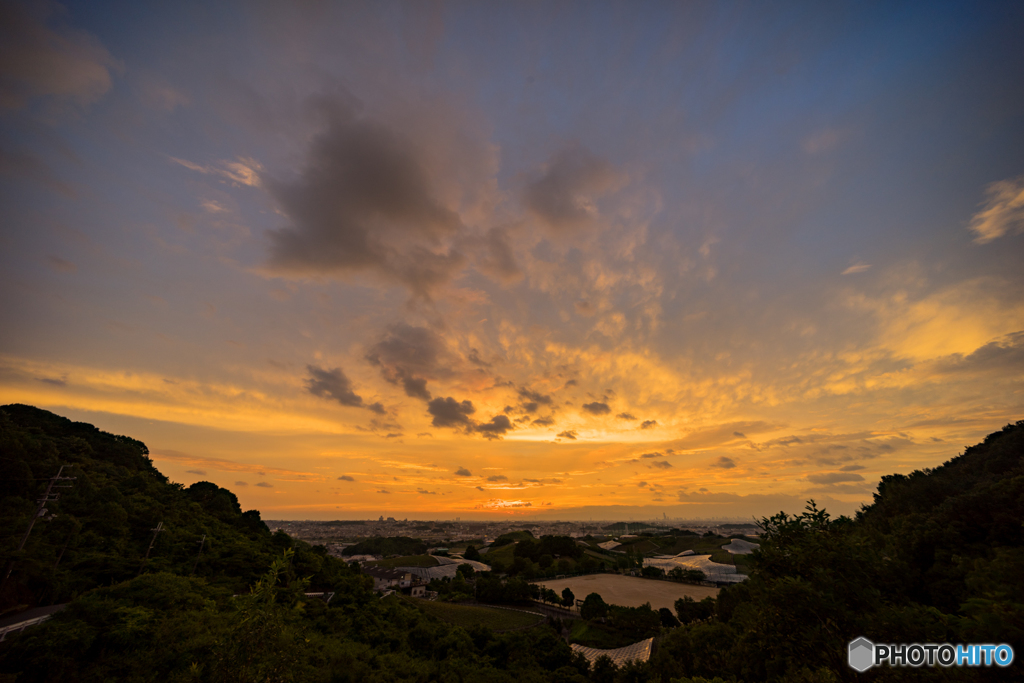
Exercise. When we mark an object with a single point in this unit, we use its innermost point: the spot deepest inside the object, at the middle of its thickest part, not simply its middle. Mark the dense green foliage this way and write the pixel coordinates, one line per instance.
(99, 530)
(468, 616)
(938, 557)
(512, 537)
(552, 546)
(594, 607)
(491, 589)
(546, 557)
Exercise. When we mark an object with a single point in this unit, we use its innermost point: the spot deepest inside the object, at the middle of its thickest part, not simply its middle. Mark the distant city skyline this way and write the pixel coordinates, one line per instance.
(507, 259)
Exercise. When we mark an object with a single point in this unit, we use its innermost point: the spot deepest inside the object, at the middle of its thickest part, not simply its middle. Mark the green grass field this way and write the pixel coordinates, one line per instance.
(476, 615)
(407, 561)
(502, 554)
(644, 546)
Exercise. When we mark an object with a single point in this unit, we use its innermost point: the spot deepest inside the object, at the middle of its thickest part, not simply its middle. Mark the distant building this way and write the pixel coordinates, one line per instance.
(385, 578)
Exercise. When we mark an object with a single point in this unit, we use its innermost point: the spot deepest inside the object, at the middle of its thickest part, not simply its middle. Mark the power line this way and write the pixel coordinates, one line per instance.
(40, 512)
(201, 543)
(157, 530)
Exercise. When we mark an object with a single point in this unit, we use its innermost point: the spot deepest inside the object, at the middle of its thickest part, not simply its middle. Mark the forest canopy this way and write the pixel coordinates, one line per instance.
(937, 557)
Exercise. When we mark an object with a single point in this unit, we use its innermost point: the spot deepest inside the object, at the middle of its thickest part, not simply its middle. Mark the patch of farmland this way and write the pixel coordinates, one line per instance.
(630, 591)
(714, 571)
(739, 546)
(642, 546)
(476, 615)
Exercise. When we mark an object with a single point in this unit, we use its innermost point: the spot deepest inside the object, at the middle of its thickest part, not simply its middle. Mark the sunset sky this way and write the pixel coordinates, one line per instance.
(546, 259)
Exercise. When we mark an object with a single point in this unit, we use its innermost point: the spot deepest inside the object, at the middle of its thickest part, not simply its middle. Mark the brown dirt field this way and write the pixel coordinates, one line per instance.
(630, 591)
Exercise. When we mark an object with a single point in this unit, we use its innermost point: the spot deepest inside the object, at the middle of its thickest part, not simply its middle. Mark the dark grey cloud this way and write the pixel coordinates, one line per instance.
(447, 412)
(384, 491)
(497, 477)
(1002, 355)
(562, 197)
(597, 408)
(626, 416)
(52, 380)
(495, 428)
(463, 472)
(534, 396)
(544, 421)
(345, 477)
(833, 478)
(364, 202)
(265, 485)
(426, 492)
(568, 434)
(724, 462)
(662, 464)
(647, 424)
(498, 257)
(333, 384)
(474, 358)
(739, 435)
(54, 61)
(851, 468)
(415, 387)
(407, 356)
(655, 454)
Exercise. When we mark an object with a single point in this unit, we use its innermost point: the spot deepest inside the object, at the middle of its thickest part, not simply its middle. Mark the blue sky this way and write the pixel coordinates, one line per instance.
(778, 245)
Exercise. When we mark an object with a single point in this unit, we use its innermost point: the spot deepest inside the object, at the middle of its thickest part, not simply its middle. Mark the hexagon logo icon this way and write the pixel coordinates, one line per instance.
(861, 654)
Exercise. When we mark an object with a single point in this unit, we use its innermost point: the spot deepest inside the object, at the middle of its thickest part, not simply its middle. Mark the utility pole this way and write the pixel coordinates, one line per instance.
(199, 555)
(157, 530)
(61, 556)
(40, 512)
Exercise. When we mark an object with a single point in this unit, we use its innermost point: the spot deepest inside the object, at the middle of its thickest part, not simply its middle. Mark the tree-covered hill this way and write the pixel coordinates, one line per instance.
(99, 530)
(937, 557)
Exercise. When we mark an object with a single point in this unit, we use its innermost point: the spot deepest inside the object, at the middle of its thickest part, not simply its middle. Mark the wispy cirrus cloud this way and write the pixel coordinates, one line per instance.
(1002, 212)
(243, 171)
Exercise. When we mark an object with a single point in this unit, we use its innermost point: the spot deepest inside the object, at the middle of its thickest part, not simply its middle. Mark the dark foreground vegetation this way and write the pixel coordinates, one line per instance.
(938, 557)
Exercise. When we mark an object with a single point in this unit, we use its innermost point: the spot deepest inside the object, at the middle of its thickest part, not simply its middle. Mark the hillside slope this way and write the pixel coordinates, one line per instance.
(99, 530)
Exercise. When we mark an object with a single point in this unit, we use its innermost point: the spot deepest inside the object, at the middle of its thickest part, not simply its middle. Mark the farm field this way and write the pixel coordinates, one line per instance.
(630, 591)
(476, 615)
